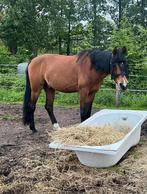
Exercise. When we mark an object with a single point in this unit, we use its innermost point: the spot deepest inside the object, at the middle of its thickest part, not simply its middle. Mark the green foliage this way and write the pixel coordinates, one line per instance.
(12, 91)
(67, 99)
(8, 33)
(11, 81)
(136, 12)
(124, 36)
(22, 55)
(134, 39)
(136, 100)
(28, 28)
(31, 27)
(131, 37)
(103, 99)
(5, 56)
(10, 96)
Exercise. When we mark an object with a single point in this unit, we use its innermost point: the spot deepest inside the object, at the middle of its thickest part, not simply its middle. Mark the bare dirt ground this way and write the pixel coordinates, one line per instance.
(28, 166)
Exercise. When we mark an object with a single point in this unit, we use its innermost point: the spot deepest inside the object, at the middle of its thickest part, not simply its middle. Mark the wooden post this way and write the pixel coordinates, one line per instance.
(117, 96)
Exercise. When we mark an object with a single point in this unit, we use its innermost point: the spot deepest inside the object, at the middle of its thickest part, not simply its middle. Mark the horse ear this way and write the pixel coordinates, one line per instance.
(124, 50)
(115, 51)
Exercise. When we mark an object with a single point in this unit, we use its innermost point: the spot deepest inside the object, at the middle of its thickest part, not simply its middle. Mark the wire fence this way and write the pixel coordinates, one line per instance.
(11, 80)
(15, 81)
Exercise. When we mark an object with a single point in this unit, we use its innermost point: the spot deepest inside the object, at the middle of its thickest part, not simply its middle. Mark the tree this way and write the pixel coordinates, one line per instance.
(32, 25)
(117, 9)
(135, 10)
(93, 14)
(25, 25)
(8, 28)
(133, 39)
(143, 13)
(64, 26)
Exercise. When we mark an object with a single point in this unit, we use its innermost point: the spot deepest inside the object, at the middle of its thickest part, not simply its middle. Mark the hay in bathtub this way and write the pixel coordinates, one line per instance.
(90, 136)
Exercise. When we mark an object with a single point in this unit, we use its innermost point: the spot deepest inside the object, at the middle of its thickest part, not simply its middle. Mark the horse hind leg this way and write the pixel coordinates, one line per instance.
(34, 98)
(31, 95)
(50, 94)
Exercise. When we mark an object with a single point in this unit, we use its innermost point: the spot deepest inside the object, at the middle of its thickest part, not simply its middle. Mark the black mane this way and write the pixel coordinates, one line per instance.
(100, 60)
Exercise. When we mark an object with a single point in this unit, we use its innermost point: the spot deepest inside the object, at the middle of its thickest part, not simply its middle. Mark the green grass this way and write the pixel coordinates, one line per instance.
(12, 91)
(7, 117)
(103, 99)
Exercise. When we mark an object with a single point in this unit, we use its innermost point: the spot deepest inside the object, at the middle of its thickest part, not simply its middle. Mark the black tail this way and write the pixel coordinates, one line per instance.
(26, 104)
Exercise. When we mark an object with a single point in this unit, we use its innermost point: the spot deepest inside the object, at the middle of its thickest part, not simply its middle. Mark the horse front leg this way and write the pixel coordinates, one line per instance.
(50, 94)
(86, 100)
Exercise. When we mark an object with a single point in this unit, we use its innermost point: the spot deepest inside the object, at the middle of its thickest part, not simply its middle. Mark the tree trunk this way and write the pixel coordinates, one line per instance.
(60, 38)
(13, 48)
(143, 12)
(60, 45)
(68, 35)
(120, 13)
(94, 23)
(34, 53)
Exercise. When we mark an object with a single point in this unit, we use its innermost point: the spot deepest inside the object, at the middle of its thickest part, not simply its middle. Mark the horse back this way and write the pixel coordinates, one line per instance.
(64, 73)
(58, 71)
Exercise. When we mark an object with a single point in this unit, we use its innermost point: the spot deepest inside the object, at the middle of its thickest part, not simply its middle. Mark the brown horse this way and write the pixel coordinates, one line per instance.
(81, 73)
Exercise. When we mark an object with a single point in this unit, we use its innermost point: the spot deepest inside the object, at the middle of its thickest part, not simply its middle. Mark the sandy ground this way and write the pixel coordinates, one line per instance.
(28, 166)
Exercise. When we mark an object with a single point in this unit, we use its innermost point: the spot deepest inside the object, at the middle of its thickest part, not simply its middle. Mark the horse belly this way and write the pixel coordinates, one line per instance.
(61, 73)
(64, 81)
(67, 88)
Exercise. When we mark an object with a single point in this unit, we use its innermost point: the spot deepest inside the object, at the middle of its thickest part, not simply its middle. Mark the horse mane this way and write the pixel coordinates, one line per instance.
(100, 59)
(81, 55)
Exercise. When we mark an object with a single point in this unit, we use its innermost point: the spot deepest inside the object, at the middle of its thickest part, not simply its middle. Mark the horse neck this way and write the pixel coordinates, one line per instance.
(101, 61)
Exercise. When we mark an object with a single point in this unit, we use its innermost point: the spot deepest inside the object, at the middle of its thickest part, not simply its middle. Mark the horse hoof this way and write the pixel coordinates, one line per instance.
(56, 126)
(34, 131)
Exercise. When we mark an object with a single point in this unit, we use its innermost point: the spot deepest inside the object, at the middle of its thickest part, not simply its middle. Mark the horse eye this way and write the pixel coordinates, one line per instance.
(122, 64)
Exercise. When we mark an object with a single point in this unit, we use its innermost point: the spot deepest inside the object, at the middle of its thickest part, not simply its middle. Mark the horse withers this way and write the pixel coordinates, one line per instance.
(83, 73)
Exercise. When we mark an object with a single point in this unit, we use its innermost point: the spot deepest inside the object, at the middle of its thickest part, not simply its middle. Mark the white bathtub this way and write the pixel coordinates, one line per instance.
(109, 155)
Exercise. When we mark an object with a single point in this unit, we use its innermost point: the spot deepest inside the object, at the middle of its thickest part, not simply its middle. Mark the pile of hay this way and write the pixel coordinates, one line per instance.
(91, 136)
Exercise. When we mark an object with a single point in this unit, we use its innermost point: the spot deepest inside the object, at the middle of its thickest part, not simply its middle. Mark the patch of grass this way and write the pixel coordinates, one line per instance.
(7, 117)
(10, 95)
(13, 86)
(67, 99)
(136, 100)
(103, 99)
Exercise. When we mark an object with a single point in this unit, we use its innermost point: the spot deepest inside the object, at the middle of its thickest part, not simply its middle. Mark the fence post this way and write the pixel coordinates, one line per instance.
(117, 96)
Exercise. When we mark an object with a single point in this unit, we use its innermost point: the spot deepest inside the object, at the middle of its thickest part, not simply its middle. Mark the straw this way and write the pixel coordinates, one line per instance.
(91, 136)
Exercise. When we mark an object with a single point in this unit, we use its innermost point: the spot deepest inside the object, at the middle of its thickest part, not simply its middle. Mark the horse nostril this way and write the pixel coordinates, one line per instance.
(123, 87)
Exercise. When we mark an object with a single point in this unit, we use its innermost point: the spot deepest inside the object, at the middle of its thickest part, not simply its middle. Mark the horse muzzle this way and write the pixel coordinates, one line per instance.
(123, 86)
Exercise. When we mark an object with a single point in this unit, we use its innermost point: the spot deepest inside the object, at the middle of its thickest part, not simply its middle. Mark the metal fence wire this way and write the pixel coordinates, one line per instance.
(11, 80)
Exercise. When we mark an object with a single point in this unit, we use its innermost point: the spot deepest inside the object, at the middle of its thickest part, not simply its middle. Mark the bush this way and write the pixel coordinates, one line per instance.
(5, 56)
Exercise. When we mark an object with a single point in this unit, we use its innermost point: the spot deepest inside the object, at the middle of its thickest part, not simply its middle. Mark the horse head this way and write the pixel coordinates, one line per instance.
(119, 67)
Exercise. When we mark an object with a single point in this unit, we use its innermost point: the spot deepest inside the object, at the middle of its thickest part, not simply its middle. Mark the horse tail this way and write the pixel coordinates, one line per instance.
(26, 102)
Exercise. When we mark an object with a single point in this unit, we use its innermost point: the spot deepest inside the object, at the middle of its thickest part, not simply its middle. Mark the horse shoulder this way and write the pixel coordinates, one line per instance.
(84, 73)
(89, 78)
